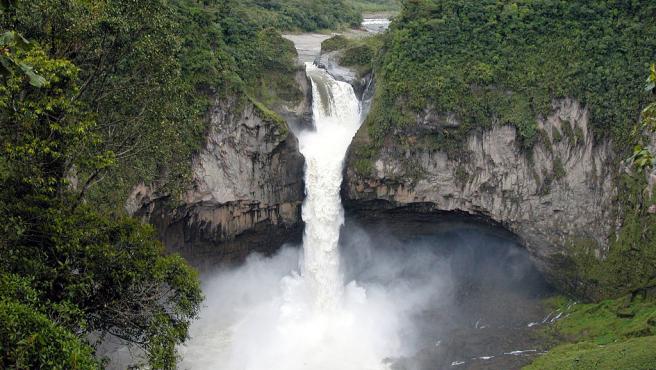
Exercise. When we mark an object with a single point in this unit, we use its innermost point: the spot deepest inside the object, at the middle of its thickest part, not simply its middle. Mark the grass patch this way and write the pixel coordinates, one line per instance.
(267, 115)
(633, 354)
(608, 321)
(613, 334)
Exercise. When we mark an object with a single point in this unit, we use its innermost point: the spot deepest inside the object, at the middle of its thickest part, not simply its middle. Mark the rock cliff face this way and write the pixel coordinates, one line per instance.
(562, 190)
(247, 187)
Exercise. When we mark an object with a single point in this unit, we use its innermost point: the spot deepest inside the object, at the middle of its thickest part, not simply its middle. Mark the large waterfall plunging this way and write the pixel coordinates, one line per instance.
(336, 119)
(301, 310)
(310, 320)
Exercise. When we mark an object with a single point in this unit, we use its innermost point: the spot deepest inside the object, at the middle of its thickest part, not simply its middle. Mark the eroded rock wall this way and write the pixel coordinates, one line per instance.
(246, 192)
(559, 191)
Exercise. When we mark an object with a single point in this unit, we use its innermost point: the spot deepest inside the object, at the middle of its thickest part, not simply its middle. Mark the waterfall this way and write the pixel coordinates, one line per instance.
(336, 112)
(300, 310)
(294, 310)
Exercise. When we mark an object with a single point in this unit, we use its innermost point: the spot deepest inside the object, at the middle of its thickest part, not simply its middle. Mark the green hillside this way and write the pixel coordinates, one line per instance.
(506, 61)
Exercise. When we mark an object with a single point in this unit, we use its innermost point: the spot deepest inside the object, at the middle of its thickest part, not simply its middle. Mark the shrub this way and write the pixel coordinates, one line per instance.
(336, 42)
(357, 56)
(29, 340)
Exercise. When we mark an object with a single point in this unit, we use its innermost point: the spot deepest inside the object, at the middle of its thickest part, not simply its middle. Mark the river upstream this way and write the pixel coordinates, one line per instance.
(366, 291)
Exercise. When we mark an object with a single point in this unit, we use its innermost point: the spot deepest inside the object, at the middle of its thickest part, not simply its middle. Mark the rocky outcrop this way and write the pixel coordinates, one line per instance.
(299, 116)
(361, 84)
(246, 192)
(560, 191)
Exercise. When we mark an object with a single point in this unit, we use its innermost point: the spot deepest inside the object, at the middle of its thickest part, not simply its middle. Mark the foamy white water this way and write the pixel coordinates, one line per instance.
(336, 112)
(266, 315)
(375, 25)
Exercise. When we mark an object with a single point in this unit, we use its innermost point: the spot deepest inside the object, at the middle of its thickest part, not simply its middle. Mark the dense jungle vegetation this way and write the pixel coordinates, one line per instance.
(97, 96)
(504, 62)
(304, 15)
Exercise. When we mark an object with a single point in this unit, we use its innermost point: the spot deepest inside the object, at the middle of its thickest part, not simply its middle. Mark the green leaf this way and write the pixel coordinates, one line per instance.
(7, 37)
(14, 39)
(21, 42)
(651, 81)
(35, 79)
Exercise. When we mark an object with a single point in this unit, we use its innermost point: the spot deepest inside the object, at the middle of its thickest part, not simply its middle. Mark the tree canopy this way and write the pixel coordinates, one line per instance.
(95, 97)
(506, 61)
(88, 271)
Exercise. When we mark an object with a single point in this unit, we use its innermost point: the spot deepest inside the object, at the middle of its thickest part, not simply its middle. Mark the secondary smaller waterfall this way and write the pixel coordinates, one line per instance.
(336, 119)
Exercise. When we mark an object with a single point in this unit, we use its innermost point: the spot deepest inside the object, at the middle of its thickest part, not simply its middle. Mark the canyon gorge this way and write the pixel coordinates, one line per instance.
(328, 184)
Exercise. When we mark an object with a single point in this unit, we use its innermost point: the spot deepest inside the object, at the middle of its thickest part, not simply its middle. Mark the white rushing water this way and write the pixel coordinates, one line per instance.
(260, 317)
(336, 112)
(375, 25)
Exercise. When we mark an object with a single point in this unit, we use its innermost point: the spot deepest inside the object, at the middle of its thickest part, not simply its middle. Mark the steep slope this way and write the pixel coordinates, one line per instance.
(562, 188)
(247, 185)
